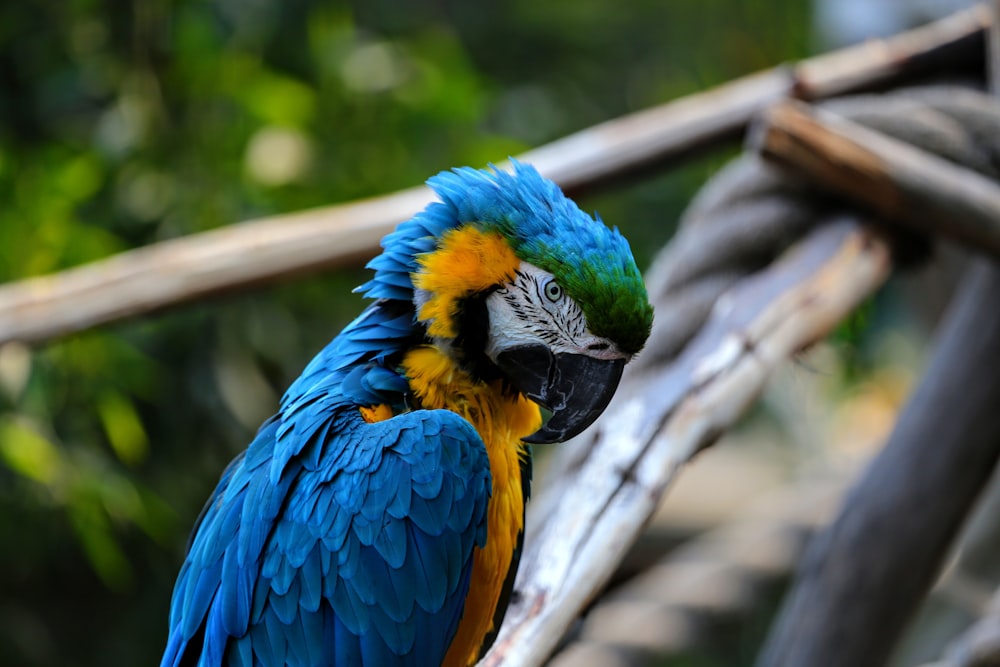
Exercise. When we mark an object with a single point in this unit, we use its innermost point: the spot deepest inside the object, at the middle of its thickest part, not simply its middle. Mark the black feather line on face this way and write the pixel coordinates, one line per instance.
(473, 332)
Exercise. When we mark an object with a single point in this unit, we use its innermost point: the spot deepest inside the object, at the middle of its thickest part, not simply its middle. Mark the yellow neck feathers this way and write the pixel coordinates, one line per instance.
(467, 261)
(501, 420)
(500, 417)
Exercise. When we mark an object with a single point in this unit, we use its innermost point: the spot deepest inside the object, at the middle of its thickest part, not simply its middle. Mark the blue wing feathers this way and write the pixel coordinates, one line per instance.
(349, 608)
(311, 581)
(298, 645)
(363, 545)
(215, 638)
(284, 575)
(398, 506)
(425, 594)
(234, 594)
(200, 597)
(336, 522)
(390, 543)
(346, 647)
(312, 626)
(405, 592)
(375, 651)
(285, 605)
(272, 640)
(348, 557)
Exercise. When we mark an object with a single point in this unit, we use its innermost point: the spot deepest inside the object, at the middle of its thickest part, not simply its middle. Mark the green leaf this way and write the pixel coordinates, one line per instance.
(29, 453)
(279, 100)
(123, 427)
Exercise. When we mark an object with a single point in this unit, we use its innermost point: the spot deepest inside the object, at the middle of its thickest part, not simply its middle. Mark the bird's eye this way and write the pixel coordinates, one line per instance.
(552, 291)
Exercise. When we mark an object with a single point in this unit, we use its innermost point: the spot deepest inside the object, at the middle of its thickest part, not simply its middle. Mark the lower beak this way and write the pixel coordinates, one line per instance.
(574, 387)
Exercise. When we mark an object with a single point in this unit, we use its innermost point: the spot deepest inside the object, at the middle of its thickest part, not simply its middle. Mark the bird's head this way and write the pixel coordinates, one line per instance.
(522, 284)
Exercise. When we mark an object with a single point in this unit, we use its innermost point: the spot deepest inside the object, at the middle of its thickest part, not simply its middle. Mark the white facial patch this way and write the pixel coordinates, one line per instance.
(533, 309)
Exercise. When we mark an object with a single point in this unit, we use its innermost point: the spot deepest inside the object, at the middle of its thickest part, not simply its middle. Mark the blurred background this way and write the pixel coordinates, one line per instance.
(127, 123)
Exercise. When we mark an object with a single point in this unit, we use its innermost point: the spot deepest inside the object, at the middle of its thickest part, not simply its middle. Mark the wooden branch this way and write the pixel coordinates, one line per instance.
(895, 180)
(979, 644)
(263, 251)
(581, 523)
(864, 577)
(722, 571)
(873, 64)
(148, 279)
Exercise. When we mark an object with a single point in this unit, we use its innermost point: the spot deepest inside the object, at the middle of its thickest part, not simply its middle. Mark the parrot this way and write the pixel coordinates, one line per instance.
(377, 518)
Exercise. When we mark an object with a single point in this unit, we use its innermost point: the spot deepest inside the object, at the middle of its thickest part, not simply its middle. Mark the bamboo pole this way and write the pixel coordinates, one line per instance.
(265, 250)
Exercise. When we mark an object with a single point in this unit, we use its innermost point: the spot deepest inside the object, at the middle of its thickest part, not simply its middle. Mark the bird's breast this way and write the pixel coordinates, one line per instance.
(502, 420)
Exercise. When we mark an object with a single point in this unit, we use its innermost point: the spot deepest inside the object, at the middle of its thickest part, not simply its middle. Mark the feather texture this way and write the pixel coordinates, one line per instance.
(338, 550)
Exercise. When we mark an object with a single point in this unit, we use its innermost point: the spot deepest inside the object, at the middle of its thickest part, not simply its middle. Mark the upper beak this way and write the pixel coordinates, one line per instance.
(574, 387)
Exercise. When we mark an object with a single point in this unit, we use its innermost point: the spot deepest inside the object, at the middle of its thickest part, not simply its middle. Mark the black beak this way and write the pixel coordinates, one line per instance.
(574, 387)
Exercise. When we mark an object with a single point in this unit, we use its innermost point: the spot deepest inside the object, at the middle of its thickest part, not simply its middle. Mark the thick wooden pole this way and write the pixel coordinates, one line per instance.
(864, 576)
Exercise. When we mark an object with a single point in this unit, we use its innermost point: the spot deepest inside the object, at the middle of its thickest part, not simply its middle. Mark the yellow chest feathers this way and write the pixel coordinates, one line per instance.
(501, 420)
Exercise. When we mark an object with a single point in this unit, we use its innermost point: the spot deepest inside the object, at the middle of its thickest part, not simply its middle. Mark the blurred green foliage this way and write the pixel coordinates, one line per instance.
(123, 124)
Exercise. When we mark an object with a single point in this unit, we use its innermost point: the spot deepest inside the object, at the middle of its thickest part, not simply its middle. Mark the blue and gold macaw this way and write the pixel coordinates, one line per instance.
(377, 519)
